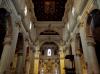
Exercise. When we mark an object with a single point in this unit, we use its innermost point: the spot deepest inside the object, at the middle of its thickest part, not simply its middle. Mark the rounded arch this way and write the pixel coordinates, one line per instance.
(6, 18)
(20, 42)
(46, 55)
(4, 13)
(94, 18)
(42, 42)
(93, 23)
(49, 45)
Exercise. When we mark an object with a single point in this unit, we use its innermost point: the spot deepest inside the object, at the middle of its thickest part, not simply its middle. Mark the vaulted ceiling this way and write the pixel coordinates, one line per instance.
(49, 10)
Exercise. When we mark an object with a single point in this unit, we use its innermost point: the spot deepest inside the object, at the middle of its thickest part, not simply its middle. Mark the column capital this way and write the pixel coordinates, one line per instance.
(7, 40)
(36, 58)
(20, 52)
(18, 19)
(90, 41)
(36, 54)
(38, 51)
(78, 53)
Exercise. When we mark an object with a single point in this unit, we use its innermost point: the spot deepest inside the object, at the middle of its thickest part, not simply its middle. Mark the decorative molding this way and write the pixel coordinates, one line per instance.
(78, 53)
(7, 40)
(20, 54)
(90, 41)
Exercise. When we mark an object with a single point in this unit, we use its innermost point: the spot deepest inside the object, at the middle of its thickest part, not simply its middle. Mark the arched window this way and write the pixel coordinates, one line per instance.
(49, 52)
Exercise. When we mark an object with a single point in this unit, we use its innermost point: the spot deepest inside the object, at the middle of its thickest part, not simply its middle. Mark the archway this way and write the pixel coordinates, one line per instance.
(49, 58)
(4, 23)
(93, 22)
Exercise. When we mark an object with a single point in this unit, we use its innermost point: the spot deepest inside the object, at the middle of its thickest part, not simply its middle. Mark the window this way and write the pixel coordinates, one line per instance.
(49, 52)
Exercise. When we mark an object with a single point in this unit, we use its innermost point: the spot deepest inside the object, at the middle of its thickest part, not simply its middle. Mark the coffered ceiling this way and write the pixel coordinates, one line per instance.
(49, 10)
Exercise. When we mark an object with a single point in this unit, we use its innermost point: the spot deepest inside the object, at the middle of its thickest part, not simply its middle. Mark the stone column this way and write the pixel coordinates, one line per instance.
(85, 49)
(76, 56)
(27, 68)
(36, 59)
(91, 50)
(4, 63)
(32, 60)
(92, 56)
(19, 68)
(78, 62)
(68, 63)
(29, 63)
(26, 53)
(62, 71)
(20, 54)
(8, 50)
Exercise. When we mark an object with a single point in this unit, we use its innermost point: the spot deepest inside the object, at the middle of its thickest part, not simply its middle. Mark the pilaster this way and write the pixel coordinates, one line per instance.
(62, 65)
(27, 60)
(76, 53)
(31, 62)
(36, 59)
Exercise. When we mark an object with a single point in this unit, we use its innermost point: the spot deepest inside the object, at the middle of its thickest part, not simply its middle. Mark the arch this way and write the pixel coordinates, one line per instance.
(49, 45)
(20, 42)
(94, 18)
(5, 27)
(44, 41)
(47, 53)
